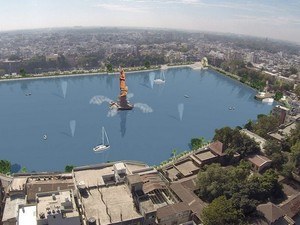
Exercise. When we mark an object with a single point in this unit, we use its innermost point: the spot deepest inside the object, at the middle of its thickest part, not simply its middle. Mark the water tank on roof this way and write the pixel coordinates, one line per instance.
(92, 221)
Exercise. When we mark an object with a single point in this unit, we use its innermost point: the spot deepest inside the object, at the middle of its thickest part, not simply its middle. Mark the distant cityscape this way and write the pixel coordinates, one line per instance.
(49, 50)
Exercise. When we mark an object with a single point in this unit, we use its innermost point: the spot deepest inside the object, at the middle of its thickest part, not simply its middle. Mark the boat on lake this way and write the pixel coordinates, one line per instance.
(105, 143)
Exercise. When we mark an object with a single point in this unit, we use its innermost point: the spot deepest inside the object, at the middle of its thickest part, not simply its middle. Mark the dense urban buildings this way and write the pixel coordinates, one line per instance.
(45, 50)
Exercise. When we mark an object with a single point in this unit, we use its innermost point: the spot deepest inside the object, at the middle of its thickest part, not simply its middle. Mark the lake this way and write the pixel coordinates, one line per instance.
(69, 111)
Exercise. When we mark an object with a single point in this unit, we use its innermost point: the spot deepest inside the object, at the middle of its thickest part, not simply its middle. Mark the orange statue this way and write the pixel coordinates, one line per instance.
(123, 87)
(122, 103)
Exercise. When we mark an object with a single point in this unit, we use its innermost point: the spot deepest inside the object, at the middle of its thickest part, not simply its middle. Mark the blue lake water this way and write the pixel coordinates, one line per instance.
(204, 98)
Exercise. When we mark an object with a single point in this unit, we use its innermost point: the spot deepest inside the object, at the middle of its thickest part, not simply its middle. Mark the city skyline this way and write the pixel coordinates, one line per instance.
(278, 20)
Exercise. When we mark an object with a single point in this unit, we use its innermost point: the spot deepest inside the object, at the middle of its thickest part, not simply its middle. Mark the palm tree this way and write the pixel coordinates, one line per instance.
(174, 152)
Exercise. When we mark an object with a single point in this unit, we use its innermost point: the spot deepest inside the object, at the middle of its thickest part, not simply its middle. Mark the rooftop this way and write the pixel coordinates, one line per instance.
(18, 184)
(186, 167)
(291, 206)
(270, 211)
(11, 207)
(56, 203)
(283, 132)
(47, 184)
(110, 201)
(259, 160)
(172, 173)
(193, 202)
(152, 182)
(170, 210)
(205, 155)
(93, 177)
(110, 204)
(217, 147)
(27, 215)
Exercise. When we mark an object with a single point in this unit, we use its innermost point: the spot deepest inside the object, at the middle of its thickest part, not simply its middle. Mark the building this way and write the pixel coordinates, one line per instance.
(57, 208)
(258, 139)
(4, 184)
(259, 163)
(273, 215)
(173, 214)
(114, 193)
(23, 199)
(11, 209)
(291, 206)
(281, 112)
(284, 130)
(27, 215)
(46, 183)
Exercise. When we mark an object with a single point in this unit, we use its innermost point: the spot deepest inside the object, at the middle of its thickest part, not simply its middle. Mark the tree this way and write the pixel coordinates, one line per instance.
(197, 143)
(23, 72)
(266, 124)
(271, 147)
(147, 64)
(210, 182)
(297, 90)
(234, 141)
(269, 182)
(287, 170)
(109, 68)
(278, 159)
(295, 153)
(293, 70)
(249, 64)
(220, 212)
(278, 95)
(5, 166)
(174, 152)
(23, 170)
(249, 125)
(69, 168)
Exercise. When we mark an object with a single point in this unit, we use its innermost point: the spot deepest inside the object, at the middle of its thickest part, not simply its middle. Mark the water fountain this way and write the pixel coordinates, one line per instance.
(64, 86)
(180, 110)
(151, 79)
(72, 127)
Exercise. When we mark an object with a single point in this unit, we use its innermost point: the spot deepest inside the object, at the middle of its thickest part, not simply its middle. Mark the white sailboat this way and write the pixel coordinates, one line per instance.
(104, 145)
(161, 79)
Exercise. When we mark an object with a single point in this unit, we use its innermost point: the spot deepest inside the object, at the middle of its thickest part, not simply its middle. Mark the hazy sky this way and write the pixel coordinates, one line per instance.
(266, 18)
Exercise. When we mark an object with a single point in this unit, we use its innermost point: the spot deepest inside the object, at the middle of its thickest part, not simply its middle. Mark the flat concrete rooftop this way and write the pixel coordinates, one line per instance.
(172, 172)
(93, 177)
(11, 207)
(107, 204)
(205, 155)
(18, 184)
(56, 202)
(38, 186)
(186, 167)
(27, 215)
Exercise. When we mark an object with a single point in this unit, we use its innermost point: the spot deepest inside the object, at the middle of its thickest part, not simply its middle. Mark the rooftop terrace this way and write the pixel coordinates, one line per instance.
(110, 204)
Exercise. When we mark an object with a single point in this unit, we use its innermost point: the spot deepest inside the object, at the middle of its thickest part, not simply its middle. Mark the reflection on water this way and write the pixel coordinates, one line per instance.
(72, 127)
(180, 110)
(123, 117)
(151, 79)
(64, 86)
